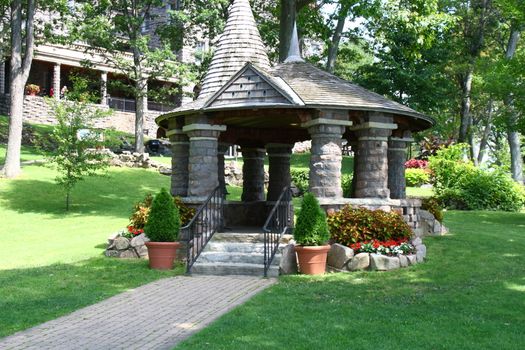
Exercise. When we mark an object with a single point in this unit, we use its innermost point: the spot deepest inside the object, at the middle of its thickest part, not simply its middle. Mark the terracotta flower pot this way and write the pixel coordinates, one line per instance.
(312, 259)
(162, 254)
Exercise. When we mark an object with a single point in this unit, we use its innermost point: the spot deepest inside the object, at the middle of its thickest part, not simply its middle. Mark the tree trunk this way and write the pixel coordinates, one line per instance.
(466, 118)
(20, 66)
(486, 133)
(140, 112)
(336, 39)
(513, 137)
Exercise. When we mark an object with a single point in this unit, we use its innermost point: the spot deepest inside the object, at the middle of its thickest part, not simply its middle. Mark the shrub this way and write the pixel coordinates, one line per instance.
(353, 225)
(300, 178)
(141, 211)
(416, 177)
(163, 220)
(416, 164)
(346, 184)
(311, 228)
(433, 206)
(460, 185)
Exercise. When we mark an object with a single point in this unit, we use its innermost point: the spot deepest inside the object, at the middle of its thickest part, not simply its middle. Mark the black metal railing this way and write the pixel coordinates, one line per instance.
(208, 219)
(129, 105)
(277, 224)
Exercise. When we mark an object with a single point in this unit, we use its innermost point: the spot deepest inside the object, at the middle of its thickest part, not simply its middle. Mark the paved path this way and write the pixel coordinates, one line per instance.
(155, 316)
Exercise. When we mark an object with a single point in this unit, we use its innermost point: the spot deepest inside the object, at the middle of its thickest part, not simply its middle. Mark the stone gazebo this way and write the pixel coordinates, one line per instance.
(266, 109)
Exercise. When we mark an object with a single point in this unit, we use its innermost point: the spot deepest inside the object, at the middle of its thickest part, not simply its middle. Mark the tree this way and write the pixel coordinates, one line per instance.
(75, 153)
(288, 16)
(137, 39)
(22, 27)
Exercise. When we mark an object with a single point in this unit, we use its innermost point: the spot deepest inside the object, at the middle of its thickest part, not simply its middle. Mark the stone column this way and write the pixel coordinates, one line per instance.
(222, 149)
(372, 161)
(279, 169)
(2, 76)
(253, 174)
(203, 175)
(56, 81)
(326, 156)
(180, 147)
(397, 154)
(104, 88)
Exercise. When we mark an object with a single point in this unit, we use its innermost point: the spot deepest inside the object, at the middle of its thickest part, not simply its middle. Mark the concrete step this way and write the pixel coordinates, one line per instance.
(223, 269)
(233, 237)
(234, 247)
(235, 258)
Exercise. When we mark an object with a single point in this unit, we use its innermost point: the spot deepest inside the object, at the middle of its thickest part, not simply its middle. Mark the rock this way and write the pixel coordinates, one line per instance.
(139, 240)
(403, 260)
(286, 239)
(339, 255)
(421, 252)
(360, 261)
(411, 259)
(288, 264)
(142, 251)
(121, 243)
(128, 254)
(444, 230)
(416, 241)
(163, 170)
(426, 215)
(111, 253)
(384, 263)
(112, 237)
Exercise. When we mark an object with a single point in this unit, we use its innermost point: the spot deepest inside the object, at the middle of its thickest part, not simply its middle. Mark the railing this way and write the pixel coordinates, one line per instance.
(208, 220)
(128, 105)
(277, 224)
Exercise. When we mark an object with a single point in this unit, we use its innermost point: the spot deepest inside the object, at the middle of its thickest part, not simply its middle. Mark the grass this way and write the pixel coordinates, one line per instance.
(470, 294)
(51, 261)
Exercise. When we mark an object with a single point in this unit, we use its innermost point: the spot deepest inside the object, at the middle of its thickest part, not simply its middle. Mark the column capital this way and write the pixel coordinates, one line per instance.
(203, 127)
(374, 125)
(326, 121)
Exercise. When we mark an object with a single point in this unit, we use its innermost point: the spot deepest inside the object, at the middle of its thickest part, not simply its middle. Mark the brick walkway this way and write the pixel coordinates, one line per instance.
(154, 316)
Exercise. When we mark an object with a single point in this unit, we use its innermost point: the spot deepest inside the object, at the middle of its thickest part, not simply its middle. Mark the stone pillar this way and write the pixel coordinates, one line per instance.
(397, 154)
(2, 76)
(180, 146)
(326, 156)
(372, 161)
(279, 169)
(253, 174)
(203, 175)
(104, 88)
(56, 81)
(222, 149)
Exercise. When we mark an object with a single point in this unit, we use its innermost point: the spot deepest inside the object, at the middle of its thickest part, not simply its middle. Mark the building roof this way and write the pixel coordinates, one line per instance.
(239, 43)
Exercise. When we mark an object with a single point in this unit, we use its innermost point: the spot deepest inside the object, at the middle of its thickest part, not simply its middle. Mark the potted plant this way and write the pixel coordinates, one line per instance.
(311, 235)
(32, 89)
(162, 229)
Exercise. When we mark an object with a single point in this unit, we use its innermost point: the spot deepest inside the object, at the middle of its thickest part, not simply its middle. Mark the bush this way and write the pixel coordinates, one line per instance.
(433, 206)
(353, 225)
(461, 185)
(416, 164)
(416, 177)
(311, 228)
(300, 178)
(346, 184)
(163, 220)
(141, 211)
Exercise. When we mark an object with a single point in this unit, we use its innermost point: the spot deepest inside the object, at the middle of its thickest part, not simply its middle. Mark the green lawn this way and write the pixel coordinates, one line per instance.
(51, 261)
(470, 294)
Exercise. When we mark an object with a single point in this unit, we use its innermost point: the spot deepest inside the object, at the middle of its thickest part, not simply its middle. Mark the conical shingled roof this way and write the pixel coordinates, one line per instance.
(239, 43)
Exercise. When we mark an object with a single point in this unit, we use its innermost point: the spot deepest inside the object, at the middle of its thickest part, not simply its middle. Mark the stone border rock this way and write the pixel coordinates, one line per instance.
(343, 259)
(125, 248)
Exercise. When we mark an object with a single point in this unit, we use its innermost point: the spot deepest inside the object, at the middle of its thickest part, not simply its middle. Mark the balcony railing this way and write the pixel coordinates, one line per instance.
(128, 105)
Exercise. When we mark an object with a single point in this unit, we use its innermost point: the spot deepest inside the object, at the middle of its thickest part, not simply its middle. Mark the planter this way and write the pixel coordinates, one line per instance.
(162, 254)
(312, 259)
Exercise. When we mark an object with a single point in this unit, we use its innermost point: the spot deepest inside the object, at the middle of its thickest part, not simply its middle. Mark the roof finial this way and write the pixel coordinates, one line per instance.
(294, 52)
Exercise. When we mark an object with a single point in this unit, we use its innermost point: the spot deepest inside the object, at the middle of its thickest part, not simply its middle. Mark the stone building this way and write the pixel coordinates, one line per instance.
(266, 109)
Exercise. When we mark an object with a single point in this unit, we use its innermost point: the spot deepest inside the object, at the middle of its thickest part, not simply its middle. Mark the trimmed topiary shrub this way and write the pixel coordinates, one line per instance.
(163, 221)
(417, 177)
(311, 228)
(353, 225)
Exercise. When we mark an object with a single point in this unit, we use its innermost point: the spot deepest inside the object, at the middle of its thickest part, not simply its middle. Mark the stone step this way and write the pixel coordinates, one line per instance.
(236, 258)
(234, 247)
(222, 269)
(238, 237)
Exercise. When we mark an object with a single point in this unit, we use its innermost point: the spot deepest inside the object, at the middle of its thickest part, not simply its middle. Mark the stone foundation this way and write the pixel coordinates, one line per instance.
(37, 111)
